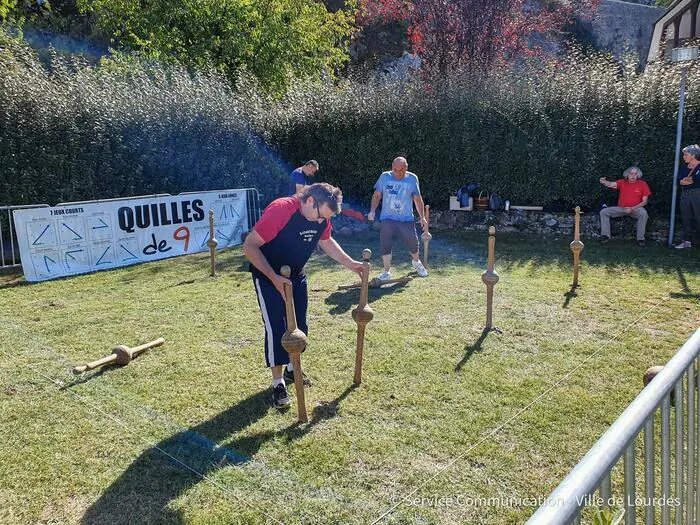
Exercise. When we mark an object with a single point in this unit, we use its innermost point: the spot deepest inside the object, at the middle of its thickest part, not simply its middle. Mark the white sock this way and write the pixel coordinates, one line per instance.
(276, 382)
(290, 367)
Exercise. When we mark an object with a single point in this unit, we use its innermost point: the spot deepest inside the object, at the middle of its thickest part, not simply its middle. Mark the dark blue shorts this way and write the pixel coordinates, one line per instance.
(274, 316)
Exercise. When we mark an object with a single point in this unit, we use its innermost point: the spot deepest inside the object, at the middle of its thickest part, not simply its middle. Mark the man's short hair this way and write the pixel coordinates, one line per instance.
(629, 170)
(694, 150)
(312, 162)
(324, 193)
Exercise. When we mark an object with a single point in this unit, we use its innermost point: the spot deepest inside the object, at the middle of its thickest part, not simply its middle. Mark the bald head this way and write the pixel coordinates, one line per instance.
(399, 162)
(399, 167)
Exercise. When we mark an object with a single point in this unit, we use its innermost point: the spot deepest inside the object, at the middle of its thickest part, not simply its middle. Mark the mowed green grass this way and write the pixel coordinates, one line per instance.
(130, 445)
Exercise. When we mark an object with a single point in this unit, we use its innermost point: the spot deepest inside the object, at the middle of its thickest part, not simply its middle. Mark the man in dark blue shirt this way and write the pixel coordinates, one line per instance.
(689, 181)
(301, 176)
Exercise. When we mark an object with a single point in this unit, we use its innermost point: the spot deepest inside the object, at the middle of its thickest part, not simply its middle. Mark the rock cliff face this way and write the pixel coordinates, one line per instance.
(621, 27)
(618, 27)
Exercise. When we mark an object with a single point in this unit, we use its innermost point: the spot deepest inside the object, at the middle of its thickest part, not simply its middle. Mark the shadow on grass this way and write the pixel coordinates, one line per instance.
(686, 291)
(143, 493)
(86, 377)
(344, 300)
(570, 295)
(469, 350)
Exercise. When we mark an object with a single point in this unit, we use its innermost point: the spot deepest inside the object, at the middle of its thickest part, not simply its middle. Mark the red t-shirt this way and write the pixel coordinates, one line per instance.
(631, 193)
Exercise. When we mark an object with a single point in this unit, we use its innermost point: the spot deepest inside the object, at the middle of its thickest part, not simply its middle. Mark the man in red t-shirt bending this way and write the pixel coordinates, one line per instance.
(634, 194)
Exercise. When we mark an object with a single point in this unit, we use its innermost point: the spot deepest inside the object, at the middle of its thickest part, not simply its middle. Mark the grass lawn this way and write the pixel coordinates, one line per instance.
(133, 444)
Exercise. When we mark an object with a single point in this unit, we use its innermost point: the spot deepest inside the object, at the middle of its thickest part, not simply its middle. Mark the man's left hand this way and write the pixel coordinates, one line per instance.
(628, 210)
(423, 223)
(357, 267)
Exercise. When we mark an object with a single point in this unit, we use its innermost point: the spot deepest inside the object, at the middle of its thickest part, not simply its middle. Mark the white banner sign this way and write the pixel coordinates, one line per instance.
(79, 238)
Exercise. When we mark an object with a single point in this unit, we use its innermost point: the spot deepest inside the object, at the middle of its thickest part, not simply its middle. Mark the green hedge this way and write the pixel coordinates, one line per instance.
(536, 136)
(69, 131)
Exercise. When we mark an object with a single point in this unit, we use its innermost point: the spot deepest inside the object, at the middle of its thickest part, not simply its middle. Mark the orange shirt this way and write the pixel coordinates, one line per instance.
(631, 193)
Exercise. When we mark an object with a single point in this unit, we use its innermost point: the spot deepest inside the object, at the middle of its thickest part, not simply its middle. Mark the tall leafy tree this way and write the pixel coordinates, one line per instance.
(6, 6)
(275, 40)
(476, 34)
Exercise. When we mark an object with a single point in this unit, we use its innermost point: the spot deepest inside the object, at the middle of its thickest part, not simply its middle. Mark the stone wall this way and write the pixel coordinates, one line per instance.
(622, 27)
(536, 222)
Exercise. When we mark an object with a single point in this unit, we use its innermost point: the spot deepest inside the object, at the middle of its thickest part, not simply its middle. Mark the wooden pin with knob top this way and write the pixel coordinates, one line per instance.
(362, 315)
(426, 236)
(294, 342)
(490, 278)
(576, 245)
(212, 243)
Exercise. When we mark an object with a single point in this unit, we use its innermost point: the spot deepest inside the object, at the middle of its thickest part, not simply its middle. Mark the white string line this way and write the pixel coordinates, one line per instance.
(143, 412)
(150, 443)
(515, 416)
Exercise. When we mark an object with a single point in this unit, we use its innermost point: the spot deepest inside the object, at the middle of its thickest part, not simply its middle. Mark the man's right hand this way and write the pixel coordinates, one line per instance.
(603, 181)
(370, 216)
(279, 282)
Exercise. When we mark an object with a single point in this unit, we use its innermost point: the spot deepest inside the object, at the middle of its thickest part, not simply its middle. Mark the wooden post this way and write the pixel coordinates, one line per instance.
(212, 243)
(121, 355)
(490, 278)
(576, 245)
(426, 235)
(294, 342)
(362, 315)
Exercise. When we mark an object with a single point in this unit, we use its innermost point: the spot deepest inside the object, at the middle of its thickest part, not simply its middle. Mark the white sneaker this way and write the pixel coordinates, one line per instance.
(386, 276)
(683, 244)
(418, 267)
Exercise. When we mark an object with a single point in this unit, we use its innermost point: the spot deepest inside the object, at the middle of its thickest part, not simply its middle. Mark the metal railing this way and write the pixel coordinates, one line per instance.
(9, 249)
(679, 378)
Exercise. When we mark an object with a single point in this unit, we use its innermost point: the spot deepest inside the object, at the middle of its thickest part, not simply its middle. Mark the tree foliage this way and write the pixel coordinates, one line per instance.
(5, 7)
(476, 34)
(274, 40)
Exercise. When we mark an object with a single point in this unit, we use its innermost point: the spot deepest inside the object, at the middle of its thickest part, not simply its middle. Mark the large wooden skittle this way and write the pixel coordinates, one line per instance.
(362, 315)
(490, 278)
(212, 243)
(426, 235)
(121, 355)
(576, 245)
(294, 342)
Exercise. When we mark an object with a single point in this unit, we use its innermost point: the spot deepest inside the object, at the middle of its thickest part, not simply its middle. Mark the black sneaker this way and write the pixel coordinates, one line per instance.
(280, 398)
(641, 243)
(288, 376)
(604, 240)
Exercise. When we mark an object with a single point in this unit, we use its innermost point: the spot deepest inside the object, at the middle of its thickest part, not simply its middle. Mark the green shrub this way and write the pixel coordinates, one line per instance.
(539, 136)
(69, 131)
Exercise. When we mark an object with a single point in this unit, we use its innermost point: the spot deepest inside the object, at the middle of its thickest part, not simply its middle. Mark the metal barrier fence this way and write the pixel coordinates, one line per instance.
(9, 249)
(680, 380)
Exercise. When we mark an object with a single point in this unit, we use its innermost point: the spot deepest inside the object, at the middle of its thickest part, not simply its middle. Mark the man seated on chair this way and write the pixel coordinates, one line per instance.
(634, 194)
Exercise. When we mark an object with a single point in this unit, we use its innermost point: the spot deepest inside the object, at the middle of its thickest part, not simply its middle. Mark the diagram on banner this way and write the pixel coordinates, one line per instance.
(41, 233)
(102, 254)
(47, 263)
(128, 250)
(100, 227)
(71, 230)
(228, 212)
(76, 259)
(201, 235)
(76, 238)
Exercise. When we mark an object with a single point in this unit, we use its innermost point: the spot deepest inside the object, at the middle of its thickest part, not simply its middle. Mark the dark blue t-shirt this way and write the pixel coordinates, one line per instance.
(289, 237)
(297, 177)
(683, 172)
